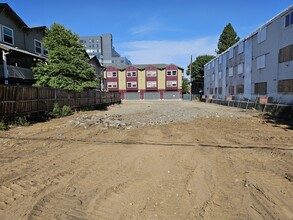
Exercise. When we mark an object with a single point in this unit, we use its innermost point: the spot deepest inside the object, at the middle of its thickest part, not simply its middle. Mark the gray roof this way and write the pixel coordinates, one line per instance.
(143, 66)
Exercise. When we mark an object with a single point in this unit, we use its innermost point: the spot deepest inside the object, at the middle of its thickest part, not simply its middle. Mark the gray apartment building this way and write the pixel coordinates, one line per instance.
(102, 48)
(259, 65)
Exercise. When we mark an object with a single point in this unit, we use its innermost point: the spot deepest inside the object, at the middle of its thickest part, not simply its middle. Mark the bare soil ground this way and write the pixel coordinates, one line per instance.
(160, 160)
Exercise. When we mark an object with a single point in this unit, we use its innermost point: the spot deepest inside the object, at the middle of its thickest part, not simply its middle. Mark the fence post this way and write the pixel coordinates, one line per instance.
(15, 100)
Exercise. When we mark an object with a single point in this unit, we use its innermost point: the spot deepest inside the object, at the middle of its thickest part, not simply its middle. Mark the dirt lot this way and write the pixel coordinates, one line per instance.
(160, 160)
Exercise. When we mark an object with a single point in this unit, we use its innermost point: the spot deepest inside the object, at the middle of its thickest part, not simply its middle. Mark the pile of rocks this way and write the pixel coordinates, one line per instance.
(107, 121)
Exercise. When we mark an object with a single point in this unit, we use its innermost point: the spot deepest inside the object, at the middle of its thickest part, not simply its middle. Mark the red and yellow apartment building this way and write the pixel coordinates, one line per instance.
(145, 82)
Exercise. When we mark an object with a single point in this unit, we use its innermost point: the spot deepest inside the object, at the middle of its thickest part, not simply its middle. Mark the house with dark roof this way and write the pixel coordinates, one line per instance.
(145, 81)
(20, 48)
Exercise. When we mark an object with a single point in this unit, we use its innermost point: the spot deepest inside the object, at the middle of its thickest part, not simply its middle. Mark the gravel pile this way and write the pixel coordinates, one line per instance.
(137, 114)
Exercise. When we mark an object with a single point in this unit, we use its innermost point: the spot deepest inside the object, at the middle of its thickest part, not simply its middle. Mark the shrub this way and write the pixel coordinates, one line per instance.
(21, 121)
(3, 126)
(58, 112)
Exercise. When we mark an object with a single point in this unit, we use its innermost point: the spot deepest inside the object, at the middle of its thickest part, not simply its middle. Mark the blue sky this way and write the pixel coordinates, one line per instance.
(153, 31)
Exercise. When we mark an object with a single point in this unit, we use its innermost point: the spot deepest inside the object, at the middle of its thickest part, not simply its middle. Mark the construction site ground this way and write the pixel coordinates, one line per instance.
(149, 160)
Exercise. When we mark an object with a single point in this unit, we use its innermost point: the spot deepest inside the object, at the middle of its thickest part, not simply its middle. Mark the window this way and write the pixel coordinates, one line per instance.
(213, 64)
(111, 74)
(151, 84)
(285, 86)
(112, 84)
(38, 47)
(289, 19)
(220, 75)
(209, 66)
(231, 90)
(220, 59)
(171, 83)
(286, 54)
(260, 88)
(262, 35)
(131, 85)
(261, 62)
(131, 73)
(231, 53)
(220, 90)
(240, 89)
(171, 73)
(7, 35)
(151, 73)
(240, 68)
(213, 77)
(231, 71)
(240, 47)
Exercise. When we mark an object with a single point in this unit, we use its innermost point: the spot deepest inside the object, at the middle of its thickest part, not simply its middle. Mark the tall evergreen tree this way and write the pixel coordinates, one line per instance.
(67, 66)
(227, 39)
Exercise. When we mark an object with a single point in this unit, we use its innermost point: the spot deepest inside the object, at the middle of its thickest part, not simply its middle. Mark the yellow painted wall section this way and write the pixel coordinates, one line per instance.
(180, 73)
(141, 79)
(161, 79)
(122, 80)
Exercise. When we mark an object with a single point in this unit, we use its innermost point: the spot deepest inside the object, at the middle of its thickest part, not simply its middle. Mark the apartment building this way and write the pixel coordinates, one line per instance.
(20, 47)
(261, 64)
(146, 81)
(102, 47)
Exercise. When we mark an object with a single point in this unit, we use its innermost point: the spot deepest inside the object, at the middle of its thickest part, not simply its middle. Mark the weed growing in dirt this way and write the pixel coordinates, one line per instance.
(3, 126)
(21, 121)
(58, 112)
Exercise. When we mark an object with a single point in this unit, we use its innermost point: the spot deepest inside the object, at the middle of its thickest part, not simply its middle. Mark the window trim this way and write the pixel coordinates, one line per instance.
(3, 35)
(172, 71)
(131, 72)
(259, 62)
(110, 74)
(41, 46)
(155, 82)
(132, 83)
(112, 85)
(151, 75)
(171, 81)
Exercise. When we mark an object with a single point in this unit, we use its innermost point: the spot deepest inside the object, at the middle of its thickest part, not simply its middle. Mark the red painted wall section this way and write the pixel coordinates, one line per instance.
(171, 78)
(112, 79)
(142, 92)
(161, 94)
(151, 78)
(122, 94)
(132, 79)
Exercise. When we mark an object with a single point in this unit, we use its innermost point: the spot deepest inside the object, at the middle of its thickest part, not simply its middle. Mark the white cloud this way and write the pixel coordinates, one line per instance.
(167, 51)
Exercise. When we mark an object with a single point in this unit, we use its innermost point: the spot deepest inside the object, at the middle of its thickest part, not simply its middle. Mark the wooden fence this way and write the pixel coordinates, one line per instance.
(19, 100)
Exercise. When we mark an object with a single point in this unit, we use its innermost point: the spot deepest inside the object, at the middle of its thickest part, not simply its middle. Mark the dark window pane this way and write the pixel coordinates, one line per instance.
(287, 20)
(291, 18)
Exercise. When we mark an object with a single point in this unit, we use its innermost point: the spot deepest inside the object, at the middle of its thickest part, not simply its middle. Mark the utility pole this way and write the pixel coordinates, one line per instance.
(190, 84)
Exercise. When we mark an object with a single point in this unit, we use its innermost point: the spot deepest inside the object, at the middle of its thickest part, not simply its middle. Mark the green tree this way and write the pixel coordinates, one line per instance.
(227, 39)
(198, 66)
(185, 85)
(67, 65)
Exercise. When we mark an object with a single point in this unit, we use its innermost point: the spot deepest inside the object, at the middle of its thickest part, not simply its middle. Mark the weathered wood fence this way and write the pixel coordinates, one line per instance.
(19, 100)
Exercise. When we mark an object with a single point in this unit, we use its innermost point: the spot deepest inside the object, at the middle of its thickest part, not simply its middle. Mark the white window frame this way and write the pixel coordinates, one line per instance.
(261, 62)
(131, 74)
(231, 71)
(171, 83)
(2, 35)
(41, 46)
(132, 85)
(112, 84)
(151, 73)
(151, 84)
(240, 68)
(220, 75)
(111, 75)
(171, 72)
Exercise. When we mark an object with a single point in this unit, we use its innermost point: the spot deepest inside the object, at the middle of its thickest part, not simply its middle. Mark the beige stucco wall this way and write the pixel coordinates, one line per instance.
(122, 79)
(141, 79)
(161, 79)
(180, 78)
